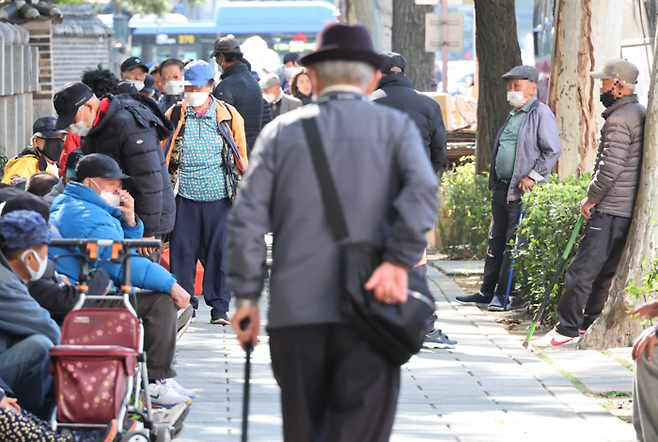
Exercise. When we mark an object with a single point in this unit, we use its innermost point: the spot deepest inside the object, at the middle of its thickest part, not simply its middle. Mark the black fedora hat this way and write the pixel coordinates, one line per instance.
(338, 41)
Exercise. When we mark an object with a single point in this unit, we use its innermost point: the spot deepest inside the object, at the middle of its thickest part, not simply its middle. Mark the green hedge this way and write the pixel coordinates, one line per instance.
(550, 215)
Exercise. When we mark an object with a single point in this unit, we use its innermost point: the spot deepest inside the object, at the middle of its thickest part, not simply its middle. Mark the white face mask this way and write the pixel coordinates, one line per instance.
(43, 263)
(196, 99)
(516, 98)
(290, 71)
(269, 97)
(174, 87)
(111, 199)
(139, 85)
(79, 128)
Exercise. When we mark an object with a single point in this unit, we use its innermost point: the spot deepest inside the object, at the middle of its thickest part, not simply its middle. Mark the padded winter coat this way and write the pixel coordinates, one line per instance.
(130, 131)
(614, 184)
(239, 89)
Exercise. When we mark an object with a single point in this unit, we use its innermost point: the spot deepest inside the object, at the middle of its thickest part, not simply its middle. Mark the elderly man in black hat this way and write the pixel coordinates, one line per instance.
(238, 87)
(334, 385)
(526, 149)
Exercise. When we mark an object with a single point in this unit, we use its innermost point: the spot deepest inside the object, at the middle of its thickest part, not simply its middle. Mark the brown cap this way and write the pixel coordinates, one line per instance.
(226, 45)
(622, 70)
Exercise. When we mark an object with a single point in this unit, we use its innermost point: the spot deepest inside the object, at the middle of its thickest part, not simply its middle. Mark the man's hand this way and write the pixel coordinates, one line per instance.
(389, 283)
(526, 184)
(10, 402)
(127, 207)
(180, 295)
(585, 207)
(648, 340)
(646, 311)
(251, 333)
(146, 251)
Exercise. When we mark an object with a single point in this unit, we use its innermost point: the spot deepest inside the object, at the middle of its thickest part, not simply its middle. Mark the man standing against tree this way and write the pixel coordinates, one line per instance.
(526, 149)
(608, 206)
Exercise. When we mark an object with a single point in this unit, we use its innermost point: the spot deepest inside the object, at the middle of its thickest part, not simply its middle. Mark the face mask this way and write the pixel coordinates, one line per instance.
(608, 99)
(79, 128)
(53, 148)
(290, 71)
(268, 97)
(516, 98)
(174, 87)
(43, 263)
(139, 85)
(111, 199)
(196, 99)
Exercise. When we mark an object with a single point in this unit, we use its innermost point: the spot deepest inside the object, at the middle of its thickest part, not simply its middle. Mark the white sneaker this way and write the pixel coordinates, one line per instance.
(176, 387)
(553, 339)
(163, 396)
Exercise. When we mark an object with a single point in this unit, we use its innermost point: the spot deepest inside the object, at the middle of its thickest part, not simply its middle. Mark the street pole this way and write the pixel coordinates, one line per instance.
(444, 46)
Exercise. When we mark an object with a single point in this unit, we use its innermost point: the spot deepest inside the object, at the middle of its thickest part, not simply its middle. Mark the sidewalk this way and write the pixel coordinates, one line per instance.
(489, 388)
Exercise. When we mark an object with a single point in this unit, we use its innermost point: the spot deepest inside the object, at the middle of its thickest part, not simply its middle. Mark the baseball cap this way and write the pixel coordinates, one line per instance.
(133, 62)
(24, 228)
(97, 165)
(226, 45)
(269, 80)
(618, 69)
(27, 201)
(67, 101)
(393, 59)
(46, 126)
(524, 72)
(198, 72)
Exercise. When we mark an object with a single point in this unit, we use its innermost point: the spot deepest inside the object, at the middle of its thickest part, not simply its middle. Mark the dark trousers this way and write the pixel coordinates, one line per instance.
(334, 386)
(159, 314)
(504, 219)
(201, 224)
(590, 273)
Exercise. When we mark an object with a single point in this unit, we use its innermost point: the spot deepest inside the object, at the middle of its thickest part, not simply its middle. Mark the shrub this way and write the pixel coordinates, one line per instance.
(550, 215)
(468, 204)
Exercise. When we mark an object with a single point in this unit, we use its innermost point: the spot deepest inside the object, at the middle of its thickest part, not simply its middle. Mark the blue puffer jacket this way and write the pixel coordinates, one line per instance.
(80, 213)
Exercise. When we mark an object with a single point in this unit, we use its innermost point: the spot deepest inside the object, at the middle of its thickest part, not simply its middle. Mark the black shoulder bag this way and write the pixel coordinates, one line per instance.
(396, 331)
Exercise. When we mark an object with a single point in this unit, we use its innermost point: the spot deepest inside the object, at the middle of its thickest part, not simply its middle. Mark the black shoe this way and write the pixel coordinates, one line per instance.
(218, 317)
(499, 304)
(476, 298)
(107, 434)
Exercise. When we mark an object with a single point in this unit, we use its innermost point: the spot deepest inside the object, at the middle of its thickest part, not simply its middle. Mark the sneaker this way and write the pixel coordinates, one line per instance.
(106, 434)
(163, 396)
(476, 298)
(553, 339)
(499, 304)
(175, 386)
(218, 317)
(173, 417)
(437, 339)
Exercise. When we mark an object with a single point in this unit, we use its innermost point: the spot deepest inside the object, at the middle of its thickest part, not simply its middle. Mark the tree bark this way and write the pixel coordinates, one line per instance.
(409, 41)
(498, 51)
(614, 327)
(587, 35)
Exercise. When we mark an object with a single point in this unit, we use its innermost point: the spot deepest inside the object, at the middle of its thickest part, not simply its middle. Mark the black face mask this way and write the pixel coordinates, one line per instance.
(608, 99)
(53, 148)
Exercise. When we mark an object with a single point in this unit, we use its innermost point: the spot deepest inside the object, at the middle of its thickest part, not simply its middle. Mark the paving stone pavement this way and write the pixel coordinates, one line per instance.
(489, 388)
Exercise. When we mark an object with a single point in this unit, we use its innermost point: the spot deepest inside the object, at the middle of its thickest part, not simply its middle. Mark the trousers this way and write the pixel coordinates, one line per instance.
(497, 264)
(201, 224)
(590, 273)
(334, 386)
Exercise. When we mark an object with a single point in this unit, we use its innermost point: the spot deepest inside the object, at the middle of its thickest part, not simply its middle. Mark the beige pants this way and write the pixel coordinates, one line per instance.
(645, 398)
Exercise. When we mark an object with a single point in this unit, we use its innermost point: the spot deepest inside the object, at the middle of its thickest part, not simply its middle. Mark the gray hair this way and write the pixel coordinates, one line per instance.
(342, 71)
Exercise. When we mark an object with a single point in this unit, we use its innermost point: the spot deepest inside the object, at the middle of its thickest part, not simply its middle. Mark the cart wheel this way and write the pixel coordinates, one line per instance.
(135, 436)
(162, 433)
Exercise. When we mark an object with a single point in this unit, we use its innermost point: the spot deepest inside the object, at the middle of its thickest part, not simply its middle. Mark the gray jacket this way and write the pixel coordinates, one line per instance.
(537, 151)
(387, 189)
(613, 187)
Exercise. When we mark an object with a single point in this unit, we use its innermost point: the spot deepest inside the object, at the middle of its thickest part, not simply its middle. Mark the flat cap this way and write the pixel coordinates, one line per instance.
(525, 72)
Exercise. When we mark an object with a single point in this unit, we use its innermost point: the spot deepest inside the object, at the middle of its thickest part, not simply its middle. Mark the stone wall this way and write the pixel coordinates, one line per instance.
(18, 81)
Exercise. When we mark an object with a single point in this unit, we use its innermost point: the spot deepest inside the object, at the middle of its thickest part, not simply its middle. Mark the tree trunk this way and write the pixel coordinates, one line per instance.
(614, 327)
(587, 35)
(409, 41)
(498, 51)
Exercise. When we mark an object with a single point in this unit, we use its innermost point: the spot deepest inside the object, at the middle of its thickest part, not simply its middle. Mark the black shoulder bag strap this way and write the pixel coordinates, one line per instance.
(332, 208)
